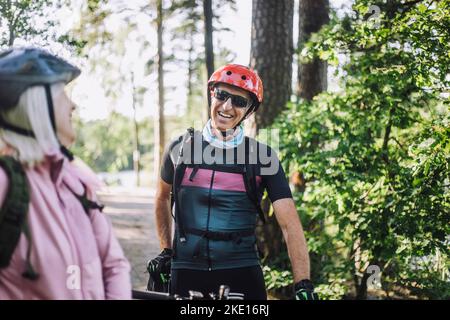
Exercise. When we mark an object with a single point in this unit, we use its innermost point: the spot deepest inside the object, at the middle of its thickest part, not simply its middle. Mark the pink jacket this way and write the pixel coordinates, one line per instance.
(76, 255)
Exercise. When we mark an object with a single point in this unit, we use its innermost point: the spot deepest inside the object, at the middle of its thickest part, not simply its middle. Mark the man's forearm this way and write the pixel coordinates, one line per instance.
(290, 224)
(298, 251)
(163, 222)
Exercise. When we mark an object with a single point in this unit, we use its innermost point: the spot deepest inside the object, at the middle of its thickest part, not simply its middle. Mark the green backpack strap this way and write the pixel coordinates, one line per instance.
(86, 203)
(13, 214)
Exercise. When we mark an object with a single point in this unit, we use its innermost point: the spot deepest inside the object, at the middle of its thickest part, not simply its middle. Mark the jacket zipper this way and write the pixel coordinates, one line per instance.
(207, 221)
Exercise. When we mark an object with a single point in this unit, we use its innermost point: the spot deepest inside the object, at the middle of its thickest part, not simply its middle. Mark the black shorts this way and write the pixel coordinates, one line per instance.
(248, 281)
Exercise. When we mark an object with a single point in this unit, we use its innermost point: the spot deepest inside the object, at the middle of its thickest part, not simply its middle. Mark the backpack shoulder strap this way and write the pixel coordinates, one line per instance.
(85, 202)
(13, 214)
(250, 181)
(179, 170)
(14, 209)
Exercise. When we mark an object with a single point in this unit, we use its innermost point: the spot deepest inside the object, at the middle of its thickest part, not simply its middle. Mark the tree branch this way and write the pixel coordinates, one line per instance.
(16, 18)
(399, 144)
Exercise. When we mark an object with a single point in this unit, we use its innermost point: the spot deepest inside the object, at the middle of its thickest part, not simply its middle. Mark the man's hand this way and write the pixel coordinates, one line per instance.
(162, 262)
(159, 270)
(304, 290)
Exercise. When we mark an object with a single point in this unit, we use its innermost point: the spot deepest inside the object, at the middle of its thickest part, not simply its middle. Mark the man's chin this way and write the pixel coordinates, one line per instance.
(220, 126)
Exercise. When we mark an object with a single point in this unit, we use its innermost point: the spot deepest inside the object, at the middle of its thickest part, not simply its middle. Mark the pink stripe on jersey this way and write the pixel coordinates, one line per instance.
(222, 180)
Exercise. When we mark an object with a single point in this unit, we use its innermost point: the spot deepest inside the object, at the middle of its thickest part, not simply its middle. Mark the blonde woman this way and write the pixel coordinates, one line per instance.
(54, 241)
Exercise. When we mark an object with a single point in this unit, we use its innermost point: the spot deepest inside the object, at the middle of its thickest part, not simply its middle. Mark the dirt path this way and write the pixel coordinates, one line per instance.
(132, 215)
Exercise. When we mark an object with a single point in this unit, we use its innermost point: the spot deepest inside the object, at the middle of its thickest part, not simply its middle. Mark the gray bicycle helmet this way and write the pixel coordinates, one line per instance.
(21, 68)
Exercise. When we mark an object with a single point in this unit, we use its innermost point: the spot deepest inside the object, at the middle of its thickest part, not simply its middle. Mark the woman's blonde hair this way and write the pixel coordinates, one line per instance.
(31, 113)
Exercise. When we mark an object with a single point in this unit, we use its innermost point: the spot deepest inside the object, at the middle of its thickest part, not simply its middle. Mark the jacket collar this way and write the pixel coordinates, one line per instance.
(55, 161)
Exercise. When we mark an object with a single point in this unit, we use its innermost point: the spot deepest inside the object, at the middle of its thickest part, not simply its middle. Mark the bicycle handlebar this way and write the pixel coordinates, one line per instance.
(224, 294)
(151, 295)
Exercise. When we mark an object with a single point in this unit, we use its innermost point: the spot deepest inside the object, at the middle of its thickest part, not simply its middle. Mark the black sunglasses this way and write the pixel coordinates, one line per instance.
(237, 101)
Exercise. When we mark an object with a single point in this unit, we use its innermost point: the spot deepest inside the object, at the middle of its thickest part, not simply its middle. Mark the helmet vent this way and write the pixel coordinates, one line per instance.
(244, 78)
(228, 73)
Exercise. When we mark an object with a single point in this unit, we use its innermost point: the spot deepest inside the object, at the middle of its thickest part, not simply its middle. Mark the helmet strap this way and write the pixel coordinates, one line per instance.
(51, 109)
(250, 110)
(51, 113)
(66, 152)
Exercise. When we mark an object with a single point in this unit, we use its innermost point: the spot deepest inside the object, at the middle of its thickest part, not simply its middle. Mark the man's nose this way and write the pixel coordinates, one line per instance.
(227, 105)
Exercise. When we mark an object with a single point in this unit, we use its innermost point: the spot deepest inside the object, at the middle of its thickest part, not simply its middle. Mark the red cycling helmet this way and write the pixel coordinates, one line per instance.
(239, 76)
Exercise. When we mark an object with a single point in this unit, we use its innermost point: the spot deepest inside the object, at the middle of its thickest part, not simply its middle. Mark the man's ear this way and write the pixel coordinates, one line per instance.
(211, 91)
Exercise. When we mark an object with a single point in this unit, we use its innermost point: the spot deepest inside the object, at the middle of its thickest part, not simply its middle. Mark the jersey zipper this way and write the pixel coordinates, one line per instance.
(207, 221)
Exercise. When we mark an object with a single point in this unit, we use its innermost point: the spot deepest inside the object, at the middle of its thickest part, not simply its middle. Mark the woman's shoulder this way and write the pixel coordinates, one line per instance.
(81, 172)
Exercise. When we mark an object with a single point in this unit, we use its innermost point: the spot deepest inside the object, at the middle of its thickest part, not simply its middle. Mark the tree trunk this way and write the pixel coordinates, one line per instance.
(361, 289)
(311, 80)
(312, 77)
(159, 115)
(11, 21)
(271, 56)
(209, 50)
(190, 73)
(12, 37)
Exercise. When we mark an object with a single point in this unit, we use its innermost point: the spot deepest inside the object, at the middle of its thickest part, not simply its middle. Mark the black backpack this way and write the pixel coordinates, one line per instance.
(14, 210)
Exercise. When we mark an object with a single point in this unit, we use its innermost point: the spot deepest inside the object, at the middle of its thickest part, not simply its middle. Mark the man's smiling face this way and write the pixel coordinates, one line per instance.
(225, 116)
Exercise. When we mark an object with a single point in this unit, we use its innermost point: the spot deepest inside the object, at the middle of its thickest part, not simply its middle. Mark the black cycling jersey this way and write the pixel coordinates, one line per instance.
(218, 216)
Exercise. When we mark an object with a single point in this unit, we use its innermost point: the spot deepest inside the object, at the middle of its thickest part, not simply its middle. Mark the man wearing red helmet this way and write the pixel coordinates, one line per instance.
(215, 180)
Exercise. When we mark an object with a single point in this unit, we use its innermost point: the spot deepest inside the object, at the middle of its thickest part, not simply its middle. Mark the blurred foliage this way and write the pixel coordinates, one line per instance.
(125, 57)
(275, 278)
(18, 19)
(30, 22)
(107, 145)
(375, 155)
